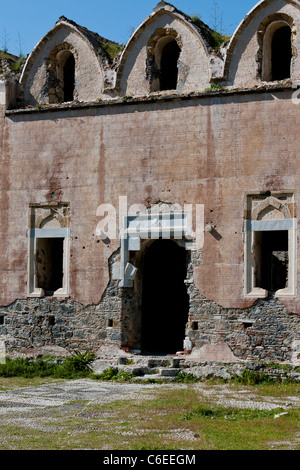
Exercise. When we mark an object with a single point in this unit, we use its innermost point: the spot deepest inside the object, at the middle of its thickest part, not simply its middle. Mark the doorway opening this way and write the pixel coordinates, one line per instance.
(165, 302)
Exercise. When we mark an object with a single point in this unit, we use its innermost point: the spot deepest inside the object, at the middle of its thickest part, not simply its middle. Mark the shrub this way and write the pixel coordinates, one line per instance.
(113, 373)
(80, 362)
(185, 377)
(249, 377)
(77, 365)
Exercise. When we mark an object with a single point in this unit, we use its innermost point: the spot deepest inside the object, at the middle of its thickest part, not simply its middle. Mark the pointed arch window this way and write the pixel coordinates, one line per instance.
(61, 77)
(169, 66)
(164, 49)
(69, 78)
(276, 48)
(281, 50)
(66, 74)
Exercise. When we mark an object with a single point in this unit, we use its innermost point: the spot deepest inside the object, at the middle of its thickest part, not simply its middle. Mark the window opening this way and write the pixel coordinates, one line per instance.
(69, 78)
(169, 66)
(271, 260)
(51, 320)
(281, 53)
(49, 264)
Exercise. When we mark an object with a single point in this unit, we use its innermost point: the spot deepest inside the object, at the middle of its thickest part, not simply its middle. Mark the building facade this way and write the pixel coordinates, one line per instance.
(149, 193)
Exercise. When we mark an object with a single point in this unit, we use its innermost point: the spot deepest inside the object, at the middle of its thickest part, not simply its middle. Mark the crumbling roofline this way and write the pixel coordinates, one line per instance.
(125, 101)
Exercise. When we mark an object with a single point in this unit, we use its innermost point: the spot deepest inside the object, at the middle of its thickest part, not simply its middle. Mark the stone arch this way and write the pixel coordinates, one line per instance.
(161, 40)
(41, 82)
(59, 87)
(240, 30)
(271, 208)
(268, 29)
(137, 73)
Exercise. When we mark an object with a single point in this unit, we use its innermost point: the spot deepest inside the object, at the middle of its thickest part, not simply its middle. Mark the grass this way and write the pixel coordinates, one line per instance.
(110, 49)
(183, 416)
(171, 419)
(14, 63)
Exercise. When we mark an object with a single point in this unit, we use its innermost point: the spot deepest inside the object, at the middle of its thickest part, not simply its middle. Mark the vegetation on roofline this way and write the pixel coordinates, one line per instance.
(10, 63)
(216, 39)
(110, 49)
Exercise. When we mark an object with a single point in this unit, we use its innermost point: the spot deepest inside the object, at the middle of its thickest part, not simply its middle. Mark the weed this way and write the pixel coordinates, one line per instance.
(214, 87)
(80, 361)
(250, 377)
(111, 50)
(129, 362)
(18, 64)
(186, 377)
(113, 373)
(219, 39)
(230, 414)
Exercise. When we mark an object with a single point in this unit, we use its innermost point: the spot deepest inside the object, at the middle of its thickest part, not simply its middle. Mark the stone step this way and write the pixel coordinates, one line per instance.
(154, 363)
(169, 372)
(154, 377)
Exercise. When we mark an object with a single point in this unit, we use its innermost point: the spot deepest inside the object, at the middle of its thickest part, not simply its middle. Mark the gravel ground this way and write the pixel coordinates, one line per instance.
(32, 408)
(27, 399)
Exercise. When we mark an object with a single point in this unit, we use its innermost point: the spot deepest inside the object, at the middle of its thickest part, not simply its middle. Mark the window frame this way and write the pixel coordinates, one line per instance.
(250, 227)
(33, 235)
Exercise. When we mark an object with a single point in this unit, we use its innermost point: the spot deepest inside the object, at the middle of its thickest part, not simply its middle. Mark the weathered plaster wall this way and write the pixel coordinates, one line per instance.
(91, 157)
(229, 145)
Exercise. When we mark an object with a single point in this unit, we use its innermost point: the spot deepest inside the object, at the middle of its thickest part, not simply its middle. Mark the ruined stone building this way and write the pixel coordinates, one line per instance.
(150, 193)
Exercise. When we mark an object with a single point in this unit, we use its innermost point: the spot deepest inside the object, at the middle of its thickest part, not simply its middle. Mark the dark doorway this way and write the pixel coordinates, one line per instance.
(271, 253)
(49, 264)
(169, 66)
(69, 78)
(281, 53)
(165, 302)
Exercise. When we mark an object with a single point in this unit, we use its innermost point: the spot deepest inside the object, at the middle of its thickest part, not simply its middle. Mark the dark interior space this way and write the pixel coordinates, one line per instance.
(69, 78)
(165, 302)
(281, 53)
(169, 66)
(271, 253)
(49, 264)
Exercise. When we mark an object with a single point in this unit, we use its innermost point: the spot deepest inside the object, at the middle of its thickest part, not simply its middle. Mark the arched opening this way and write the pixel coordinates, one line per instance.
(165, 302)
(281, 53)
(277, 50)
(69, 78)
(169, 66)
(60, 85)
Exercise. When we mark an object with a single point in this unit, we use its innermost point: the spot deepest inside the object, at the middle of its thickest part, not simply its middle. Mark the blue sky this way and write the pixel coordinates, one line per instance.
(24, 23)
